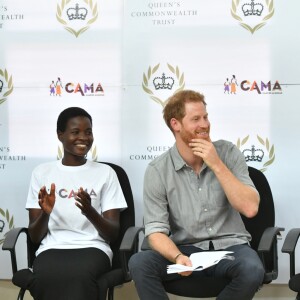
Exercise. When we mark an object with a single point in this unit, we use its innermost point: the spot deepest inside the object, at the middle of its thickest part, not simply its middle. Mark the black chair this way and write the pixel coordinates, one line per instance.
(289, 247)
(119, 273)
(264, 241)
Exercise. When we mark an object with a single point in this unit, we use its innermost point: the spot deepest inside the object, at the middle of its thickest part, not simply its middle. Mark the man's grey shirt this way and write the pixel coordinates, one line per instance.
(192, 208)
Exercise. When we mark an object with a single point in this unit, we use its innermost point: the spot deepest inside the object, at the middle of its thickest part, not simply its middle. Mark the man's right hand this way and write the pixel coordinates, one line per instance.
(184, 260)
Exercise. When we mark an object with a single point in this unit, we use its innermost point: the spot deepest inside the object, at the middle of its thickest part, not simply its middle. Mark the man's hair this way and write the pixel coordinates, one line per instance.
(175, 107)
(68, 114)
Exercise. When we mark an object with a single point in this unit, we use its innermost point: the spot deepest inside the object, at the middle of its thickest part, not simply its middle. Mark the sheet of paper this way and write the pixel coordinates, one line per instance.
(201, 261)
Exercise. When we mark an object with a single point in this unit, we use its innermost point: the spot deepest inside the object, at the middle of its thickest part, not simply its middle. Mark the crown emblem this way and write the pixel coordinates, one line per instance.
(77, 13)
(163, 82)
(2, 224)
(252, 9)
(253, 154)
(1, 85)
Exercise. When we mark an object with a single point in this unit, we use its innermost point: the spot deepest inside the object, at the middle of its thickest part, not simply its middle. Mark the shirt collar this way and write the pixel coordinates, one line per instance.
(178, 161)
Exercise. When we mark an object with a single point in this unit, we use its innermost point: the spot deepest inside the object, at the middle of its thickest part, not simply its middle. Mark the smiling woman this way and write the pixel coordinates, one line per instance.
(67, 217)
(76, 135)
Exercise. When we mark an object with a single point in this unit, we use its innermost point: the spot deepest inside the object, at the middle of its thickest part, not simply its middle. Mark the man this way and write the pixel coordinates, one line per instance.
(193, 196)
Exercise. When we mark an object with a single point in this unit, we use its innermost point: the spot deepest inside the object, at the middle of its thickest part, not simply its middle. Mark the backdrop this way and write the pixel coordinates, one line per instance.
(121, 60)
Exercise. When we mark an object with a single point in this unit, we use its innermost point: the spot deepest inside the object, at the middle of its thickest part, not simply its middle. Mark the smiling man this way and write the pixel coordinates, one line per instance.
(193, 196)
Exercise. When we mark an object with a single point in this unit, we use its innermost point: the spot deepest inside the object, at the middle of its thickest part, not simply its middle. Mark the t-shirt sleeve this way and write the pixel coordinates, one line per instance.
(111, 195)
(34, 188)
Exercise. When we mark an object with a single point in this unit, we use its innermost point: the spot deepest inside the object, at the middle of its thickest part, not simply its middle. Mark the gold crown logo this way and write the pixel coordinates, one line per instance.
(253, 154)
(8, 80)
(256, 155)
(163, 82)
(252, 9)
(77, 13)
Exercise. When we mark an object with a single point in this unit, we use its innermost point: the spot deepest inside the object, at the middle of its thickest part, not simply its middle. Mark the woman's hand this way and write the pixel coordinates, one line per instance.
(47, 201)
(83, 202)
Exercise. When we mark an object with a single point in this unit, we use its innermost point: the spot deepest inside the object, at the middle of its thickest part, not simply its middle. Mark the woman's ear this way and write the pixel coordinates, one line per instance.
(59, 135)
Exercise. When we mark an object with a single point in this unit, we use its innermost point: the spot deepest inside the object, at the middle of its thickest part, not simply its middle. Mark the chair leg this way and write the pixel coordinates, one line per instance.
(21, 294)
(111, 293)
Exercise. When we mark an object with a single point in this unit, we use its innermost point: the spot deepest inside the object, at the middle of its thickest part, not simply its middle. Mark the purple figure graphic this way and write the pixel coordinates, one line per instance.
(226, 86)
(52, 88)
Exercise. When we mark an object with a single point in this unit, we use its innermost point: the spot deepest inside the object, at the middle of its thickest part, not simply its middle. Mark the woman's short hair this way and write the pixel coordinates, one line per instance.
(68, 114)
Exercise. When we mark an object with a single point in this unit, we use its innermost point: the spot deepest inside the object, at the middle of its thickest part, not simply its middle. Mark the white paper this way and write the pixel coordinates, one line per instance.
(201, 261)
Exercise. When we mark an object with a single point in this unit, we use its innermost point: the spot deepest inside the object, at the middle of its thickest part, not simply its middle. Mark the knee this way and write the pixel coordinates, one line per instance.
(137, 264)
(253, 273)
(133, 261)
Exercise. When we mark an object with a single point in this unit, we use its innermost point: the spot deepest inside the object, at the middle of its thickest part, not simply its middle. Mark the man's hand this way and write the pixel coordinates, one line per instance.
(184, 260)
(206, 150)
(46, 201)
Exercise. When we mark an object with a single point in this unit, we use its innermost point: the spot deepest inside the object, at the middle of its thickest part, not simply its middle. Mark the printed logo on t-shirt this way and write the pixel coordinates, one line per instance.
(64, 193)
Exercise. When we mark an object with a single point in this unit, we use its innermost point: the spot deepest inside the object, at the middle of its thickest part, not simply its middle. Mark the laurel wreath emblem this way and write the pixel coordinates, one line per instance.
(93, 150)
(146, 78)
(60, 9)
(9, 219)
(266, 144)
(235, 4)
(9, 82)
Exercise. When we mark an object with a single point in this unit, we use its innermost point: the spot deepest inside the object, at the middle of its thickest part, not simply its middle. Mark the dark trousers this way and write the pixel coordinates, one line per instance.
(68, 274)
(148, 270)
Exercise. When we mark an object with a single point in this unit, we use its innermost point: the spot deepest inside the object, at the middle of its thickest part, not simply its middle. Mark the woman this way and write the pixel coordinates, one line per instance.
(74, 209)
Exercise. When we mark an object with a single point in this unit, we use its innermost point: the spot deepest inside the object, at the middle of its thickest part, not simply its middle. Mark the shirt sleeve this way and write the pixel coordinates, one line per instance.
(238, 166)
(156, 214)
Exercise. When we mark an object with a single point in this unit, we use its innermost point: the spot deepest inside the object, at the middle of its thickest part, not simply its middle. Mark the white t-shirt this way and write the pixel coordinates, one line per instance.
(68, 228)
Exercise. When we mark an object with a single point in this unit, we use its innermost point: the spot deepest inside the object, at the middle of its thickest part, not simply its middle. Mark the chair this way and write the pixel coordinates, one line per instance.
(119, 273)
(289, 247)
(264, 241)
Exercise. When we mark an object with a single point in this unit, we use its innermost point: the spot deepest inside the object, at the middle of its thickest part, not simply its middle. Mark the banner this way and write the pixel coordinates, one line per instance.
(121, 60)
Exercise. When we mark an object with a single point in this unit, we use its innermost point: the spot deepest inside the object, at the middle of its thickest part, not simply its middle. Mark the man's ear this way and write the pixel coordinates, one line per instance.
(175, 124)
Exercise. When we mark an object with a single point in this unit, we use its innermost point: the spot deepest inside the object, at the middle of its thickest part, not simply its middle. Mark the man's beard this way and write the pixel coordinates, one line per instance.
(187, 136)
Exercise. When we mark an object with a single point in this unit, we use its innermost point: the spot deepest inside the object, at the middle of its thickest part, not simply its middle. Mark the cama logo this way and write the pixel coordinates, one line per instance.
(232, 85)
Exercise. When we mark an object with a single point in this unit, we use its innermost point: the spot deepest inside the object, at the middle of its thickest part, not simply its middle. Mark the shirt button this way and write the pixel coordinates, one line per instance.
(205, 209)
(200, 189)
(210, 229)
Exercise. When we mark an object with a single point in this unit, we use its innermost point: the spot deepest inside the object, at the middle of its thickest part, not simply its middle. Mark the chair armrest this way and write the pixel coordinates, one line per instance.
(289, 247)
(10, 244)
(268, 252)
(128, 247)
(290, 241)
(268, 237)
(130, 238)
